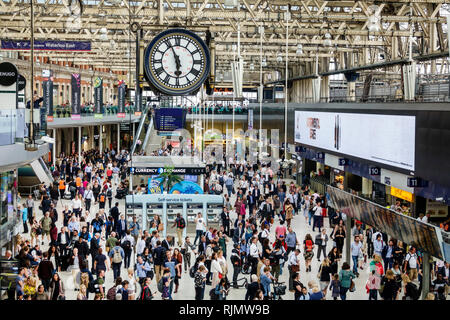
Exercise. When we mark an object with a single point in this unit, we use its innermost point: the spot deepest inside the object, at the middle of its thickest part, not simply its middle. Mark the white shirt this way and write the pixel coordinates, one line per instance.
(293, 259)
(129, 238)
(76, 204)
(254, 252)
(215, 266)
(199, 225)
(140, 246)
(412, 259)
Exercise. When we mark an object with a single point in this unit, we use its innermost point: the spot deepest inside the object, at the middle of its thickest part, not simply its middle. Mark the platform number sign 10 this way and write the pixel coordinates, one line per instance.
(374, 171)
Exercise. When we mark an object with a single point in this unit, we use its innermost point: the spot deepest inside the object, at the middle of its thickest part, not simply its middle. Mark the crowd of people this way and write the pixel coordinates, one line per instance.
(91, 239)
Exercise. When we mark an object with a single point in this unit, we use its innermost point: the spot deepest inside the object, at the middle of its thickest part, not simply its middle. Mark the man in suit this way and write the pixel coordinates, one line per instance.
(63, 241)
(256, 193)
(95, 245)
(166, 242)
(251, 201)
(159, 255)
(202, 245)
(114, 212)
(225, 216)
(121, 226)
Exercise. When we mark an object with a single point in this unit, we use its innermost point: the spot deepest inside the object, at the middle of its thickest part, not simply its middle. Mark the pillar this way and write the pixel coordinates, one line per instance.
(426, 275)
(100, 137)
(79, 144)
(118, 138)
(348, 239)
(54, 147)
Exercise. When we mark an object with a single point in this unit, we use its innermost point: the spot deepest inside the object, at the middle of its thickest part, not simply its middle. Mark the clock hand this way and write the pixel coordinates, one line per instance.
(177, 62)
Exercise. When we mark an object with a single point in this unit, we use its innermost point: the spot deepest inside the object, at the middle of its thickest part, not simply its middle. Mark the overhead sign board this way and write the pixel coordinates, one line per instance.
(387, 139)
(156, 171)
(170, 119)
(47, 45)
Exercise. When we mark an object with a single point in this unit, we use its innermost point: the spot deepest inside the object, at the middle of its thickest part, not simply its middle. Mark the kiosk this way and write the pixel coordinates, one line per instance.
(154, 209)
(192, 210)
(168, 205)
(132, 210)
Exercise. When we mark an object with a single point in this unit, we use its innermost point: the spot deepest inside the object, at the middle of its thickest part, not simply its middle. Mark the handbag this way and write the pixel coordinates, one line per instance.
(352, 286)
(61, 298)
(160, 227)
(295, 268)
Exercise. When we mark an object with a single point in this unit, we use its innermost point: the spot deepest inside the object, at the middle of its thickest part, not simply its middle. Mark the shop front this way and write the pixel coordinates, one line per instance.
(8, 217)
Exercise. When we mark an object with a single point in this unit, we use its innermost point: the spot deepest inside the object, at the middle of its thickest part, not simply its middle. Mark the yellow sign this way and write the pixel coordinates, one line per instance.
(402, 194)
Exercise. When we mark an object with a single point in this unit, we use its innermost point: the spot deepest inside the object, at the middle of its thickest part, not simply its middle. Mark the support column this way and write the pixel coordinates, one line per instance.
(348, 239)
(426, 275)
(54, 148)
(100, 137)
(118, 138)
(79, 144)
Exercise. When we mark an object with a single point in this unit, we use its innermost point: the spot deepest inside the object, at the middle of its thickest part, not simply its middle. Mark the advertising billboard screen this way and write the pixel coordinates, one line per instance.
(387, 139)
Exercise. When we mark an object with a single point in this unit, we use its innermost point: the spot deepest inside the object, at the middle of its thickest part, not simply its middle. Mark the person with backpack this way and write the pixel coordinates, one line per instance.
(180, 223)
(146, 293)
(187, 250)
(236, 261)
(135, 230)
(102, 199)
(116, 256)
(111, 294)
(159, 255)
(127, 245)
(109, 196)
(411, 264)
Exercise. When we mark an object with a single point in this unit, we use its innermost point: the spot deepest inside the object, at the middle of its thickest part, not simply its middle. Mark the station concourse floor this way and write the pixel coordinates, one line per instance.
(186, 289)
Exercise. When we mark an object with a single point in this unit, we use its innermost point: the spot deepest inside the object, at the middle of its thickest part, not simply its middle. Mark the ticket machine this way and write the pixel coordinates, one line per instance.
(152, 210)
(133, 210)
(192, 209)
(171, 215)
(213, 214)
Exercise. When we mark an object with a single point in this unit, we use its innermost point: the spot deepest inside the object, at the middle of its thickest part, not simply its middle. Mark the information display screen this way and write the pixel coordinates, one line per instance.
(387, 139)
(409, 230)
(170, 119)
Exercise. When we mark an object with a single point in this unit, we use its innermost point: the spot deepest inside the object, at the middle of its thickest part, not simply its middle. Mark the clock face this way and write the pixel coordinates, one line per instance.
(177, 62)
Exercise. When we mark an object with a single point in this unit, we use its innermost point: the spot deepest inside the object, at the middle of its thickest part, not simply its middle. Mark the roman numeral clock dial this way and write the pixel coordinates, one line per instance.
(177, 62)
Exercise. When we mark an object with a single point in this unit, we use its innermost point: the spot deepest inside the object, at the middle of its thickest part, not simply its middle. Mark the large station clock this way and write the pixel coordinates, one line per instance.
(177, 62)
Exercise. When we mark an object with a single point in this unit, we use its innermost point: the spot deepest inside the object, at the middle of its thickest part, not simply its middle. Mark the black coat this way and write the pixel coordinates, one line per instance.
(251, 291)
(94, 246)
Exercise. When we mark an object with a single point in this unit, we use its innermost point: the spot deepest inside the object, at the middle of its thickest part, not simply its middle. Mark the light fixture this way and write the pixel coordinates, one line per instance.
(374, 19)
(299, 49)
(279, 57)
(327, 41)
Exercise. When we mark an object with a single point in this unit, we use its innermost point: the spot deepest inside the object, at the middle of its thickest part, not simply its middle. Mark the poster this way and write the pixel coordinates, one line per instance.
(98, 97)
(138, 104)
(48, 98)
(121, 100)
(437, 209)
(76, 96)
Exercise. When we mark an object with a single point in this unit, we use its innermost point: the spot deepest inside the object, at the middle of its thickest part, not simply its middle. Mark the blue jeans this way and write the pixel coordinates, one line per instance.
(309, 217)
(355, 264)
(198, 235)
(388, 263)
(343, 293)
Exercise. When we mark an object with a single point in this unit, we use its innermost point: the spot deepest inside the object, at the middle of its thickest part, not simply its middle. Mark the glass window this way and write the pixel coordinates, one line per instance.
(6, 195)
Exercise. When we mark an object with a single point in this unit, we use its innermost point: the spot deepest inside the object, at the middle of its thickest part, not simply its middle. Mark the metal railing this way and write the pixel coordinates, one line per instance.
(27, 190)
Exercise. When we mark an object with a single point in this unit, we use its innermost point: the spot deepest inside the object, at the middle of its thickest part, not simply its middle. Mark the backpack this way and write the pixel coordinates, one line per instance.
(260, 238)
(308, 245)
(126, 245)
(160, 285)
(181, 223)
(117, 257)
(415, 291)
(192, 271)
(111, 294)
(102, 198)
(213, 295)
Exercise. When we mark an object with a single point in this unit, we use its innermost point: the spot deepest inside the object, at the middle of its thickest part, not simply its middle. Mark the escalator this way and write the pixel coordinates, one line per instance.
(42, 172)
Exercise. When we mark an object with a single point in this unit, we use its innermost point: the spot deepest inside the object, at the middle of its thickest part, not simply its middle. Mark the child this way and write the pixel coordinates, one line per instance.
(373, 284)
(335, 287)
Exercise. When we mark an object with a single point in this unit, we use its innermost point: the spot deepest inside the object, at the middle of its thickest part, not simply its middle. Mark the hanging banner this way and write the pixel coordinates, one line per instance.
(98, 98)
(75, 102)
(138, 105)
(250, 119)
(121, 100)
(47, 45)
(48, 98)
